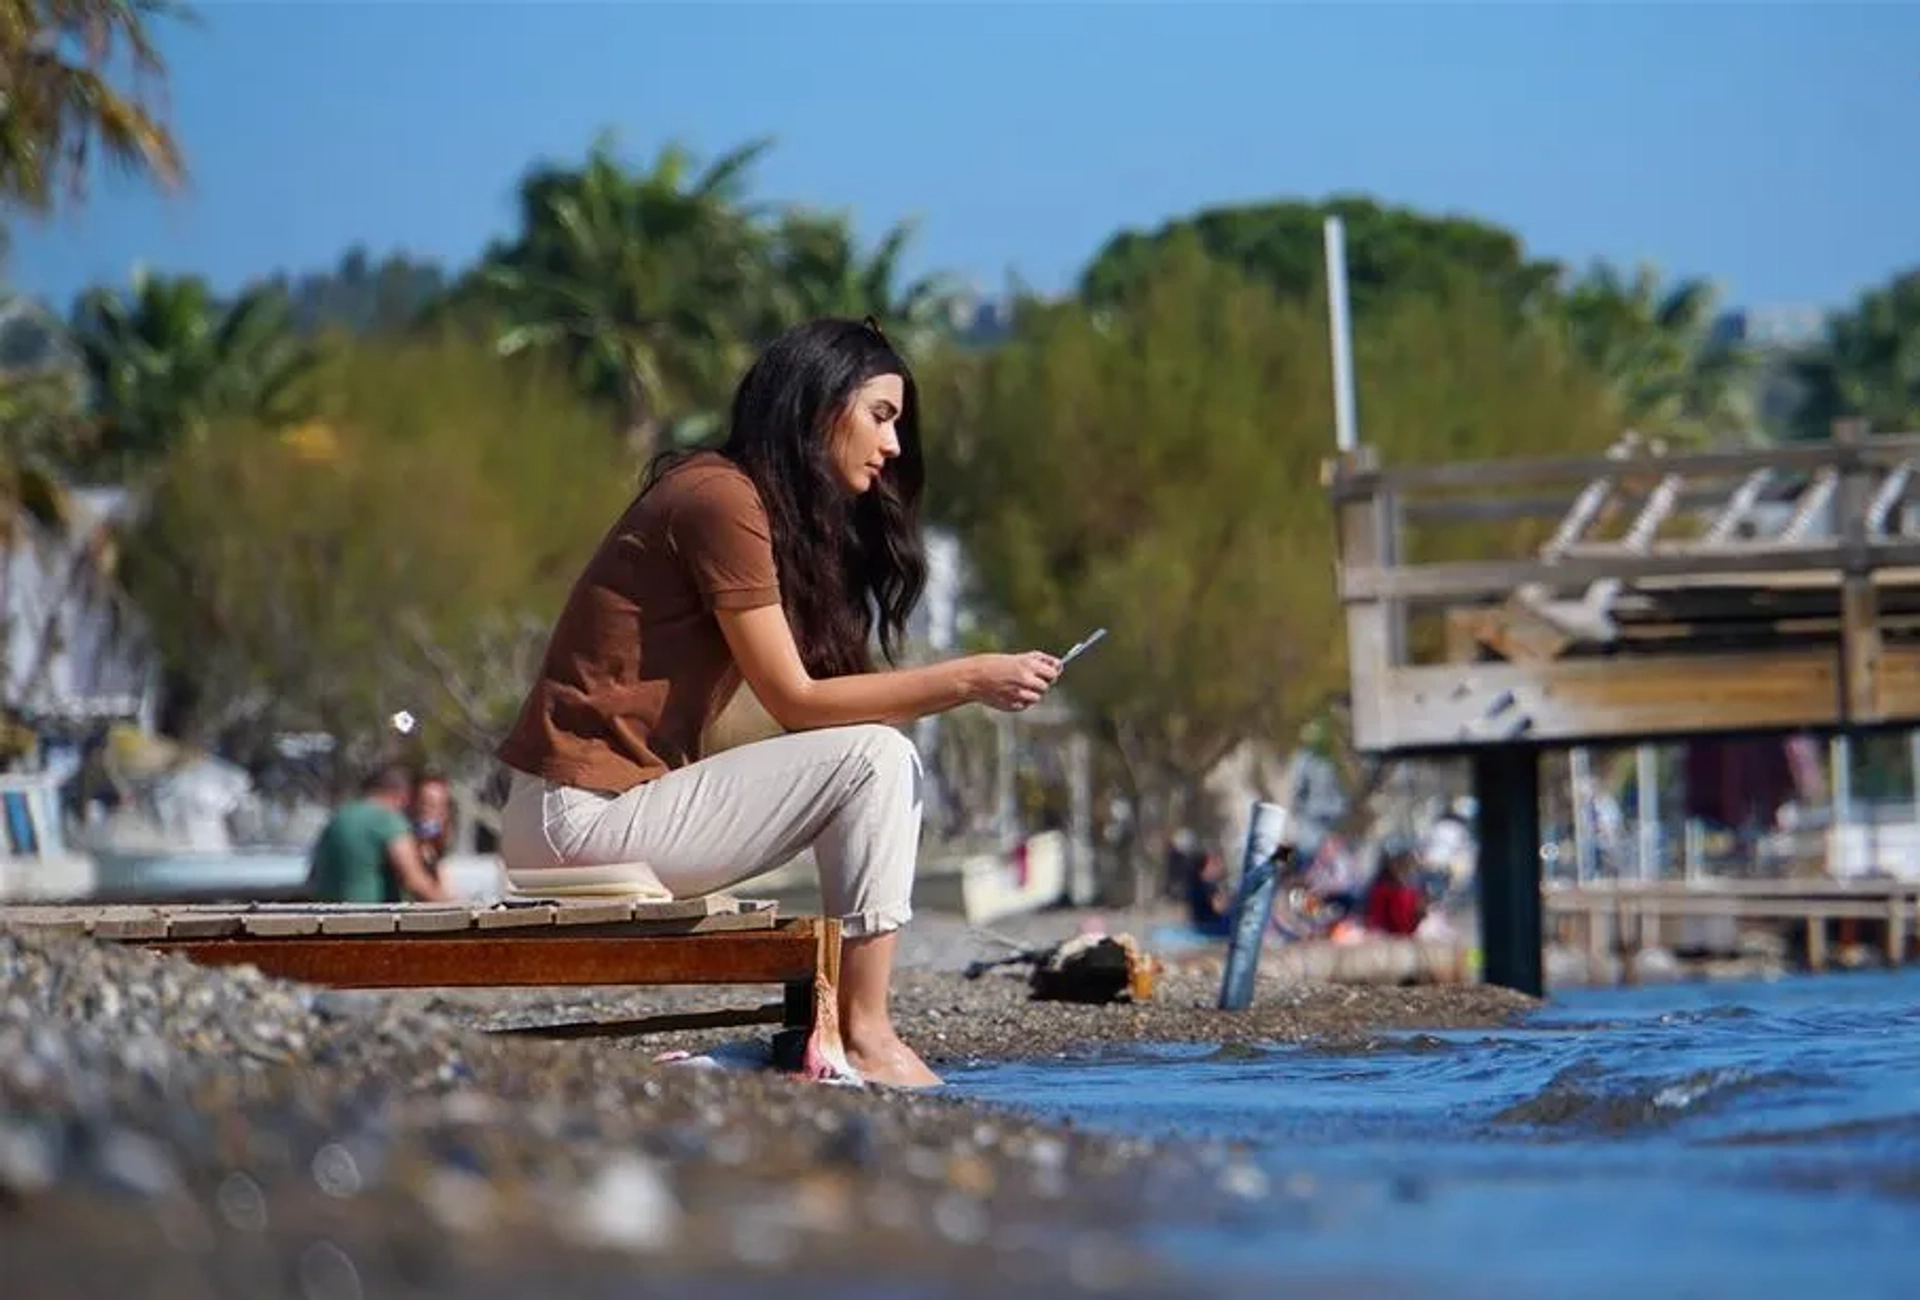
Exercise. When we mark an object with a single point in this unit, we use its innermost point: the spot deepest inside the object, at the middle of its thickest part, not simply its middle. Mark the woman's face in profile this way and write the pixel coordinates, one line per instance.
(431, 803)
(864, 438)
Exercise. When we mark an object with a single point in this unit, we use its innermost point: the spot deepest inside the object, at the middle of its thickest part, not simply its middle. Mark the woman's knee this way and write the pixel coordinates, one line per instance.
(889, 750)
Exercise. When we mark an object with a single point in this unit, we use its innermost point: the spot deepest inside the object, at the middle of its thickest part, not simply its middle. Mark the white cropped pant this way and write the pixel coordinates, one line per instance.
(851, 793)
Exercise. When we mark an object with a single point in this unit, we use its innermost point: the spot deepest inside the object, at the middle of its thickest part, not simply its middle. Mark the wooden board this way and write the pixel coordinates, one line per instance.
(134, 923)
(1459, 706)
(1362, 580)
(1736, 906)
(1880, 450)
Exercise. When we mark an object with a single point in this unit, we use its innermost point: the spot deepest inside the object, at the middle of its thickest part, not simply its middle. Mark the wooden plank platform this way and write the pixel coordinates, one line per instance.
(1604, 913)
(516, 943)
(617, 917)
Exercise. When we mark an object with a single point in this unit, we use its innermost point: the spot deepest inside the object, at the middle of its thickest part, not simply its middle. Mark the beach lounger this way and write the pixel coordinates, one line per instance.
(517, 942)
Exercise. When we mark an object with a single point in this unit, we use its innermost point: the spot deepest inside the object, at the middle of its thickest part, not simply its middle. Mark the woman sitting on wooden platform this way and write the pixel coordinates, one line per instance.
(708, 706)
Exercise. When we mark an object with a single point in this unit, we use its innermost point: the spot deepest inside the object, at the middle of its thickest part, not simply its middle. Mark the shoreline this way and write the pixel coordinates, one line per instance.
(218, 1133)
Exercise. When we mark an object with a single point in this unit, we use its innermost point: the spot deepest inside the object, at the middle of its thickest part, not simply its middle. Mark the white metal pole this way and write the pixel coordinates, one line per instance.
(1340, 329)
(1081, 885)
(1646, 780)
(1006, 793)
(1913, 771)
(1840, 822)
(1580, 789)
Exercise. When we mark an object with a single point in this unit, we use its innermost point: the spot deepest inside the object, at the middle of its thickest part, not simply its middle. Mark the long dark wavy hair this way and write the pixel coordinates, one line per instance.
(846, 562)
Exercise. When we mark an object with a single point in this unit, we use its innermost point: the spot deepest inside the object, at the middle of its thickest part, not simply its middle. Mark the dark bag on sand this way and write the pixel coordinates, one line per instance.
(1093, 968)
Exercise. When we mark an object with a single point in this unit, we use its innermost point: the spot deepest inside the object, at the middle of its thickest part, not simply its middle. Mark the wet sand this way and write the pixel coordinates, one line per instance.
(170, 1131)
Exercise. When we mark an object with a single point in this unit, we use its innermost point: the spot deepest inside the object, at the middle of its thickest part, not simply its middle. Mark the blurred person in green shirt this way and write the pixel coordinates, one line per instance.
(368, 854)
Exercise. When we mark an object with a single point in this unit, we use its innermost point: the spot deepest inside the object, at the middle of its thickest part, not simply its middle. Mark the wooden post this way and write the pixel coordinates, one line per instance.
(1860, 648)
(1506, 784)
(1897, 929)
(1366, 540)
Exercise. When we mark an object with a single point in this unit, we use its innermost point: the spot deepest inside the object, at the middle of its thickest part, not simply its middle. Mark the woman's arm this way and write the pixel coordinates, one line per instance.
(762, 644)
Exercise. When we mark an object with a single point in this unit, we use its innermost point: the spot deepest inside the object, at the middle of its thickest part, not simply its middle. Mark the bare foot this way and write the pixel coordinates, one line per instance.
(891, 1062)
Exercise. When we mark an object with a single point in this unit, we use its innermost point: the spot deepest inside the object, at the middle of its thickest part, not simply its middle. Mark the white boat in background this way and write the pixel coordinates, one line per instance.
(37, 864)
(984, 887)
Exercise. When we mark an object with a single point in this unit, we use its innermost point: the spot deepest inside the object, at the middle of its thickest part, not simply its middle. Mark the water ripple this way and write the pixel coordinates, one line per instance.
(1697, 1140)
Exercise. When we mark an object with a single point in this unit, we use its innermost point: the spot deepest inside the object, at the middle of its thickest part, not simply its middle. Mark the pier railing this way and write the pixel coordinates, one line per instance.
(1669, 595)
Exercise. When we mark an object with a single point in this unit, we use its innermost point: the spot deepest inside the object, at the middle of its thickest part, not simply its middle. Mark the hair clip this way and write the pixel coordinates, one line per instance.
(874, 325)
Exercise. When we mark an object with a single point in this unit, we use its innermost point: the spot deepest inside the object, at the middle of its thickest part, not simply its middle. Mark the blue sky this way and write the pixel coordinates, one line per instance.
(1770, 147)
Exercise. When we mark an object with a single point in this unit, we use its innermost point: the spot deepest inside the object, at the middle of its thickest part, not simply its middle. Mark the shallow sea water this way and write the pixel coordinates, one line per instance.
(1709, 1140)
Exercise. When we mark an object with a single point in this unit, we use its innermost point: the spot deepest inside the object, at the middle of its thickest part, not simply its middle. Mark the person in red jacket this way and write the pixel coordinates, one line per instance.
(1395, 903)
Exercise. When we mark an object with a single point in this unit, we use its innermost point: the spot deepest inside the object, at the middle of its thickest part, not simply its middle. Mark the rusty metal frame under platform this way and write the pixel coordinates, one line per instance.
(790, 950)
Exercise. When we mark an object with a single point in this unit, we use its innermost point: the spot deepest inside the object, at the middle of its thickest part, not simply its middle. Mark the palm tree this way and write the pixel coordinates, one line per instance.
(1654, 345)
(820, 270)
(168, 360)
(644, 282)
(60, 109)
(1868, 366)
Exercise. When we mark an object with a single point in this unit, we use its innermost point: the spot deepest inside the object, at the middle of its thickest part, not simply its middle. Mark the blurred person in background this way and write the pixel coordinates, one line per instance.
(432, 817)
(367, 852)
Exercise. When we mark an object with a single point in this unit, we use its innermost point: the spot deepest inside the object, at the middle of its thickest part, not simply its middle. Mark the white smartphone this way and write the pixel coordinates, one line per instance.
(1082, 646)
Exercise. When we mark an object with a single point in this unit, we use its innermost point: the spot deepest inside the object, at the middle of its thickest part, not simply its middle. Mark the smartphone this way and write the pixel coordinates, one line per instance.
(1082, 646)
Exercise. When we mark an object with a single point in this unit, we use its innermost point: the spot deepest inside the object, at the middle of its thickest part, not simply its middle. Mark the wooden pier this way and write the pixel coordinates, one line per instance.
(1606, 919)
(1678, 597)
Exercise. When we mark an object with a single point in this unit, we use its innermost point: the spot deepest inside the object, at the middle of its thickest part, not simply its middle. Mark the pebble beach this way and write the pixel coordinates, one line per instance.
(171, 1131)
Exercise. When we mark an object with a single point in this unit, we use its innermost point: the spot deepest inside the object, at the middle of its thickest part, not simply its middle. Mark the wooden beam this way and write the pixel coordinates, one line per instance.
(1860, 646)
(1886, 451)
(1524, 632)
(1802, 887)
(1462, 508)
(1430, 582)
(1445, 706)
(1365, 538)
(1896, 684)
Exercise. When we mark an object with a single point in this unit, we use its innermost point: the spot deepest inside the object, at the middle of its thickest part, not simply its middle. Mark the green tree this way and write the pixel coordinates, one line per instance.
(644, 281)
(62, 107)
(1868, 365)
(1458, 379)
(819, 269)
(1391, 252)
(1654, 345)
(168, 360)
(362, 295)
(406, 549)
(1153, 470)
(1154, 466)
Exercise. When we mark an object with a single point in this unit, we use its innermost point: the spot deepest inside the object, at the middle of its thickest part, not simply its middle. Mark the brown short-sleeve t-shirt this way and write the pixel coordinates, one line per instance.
(637, 666)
